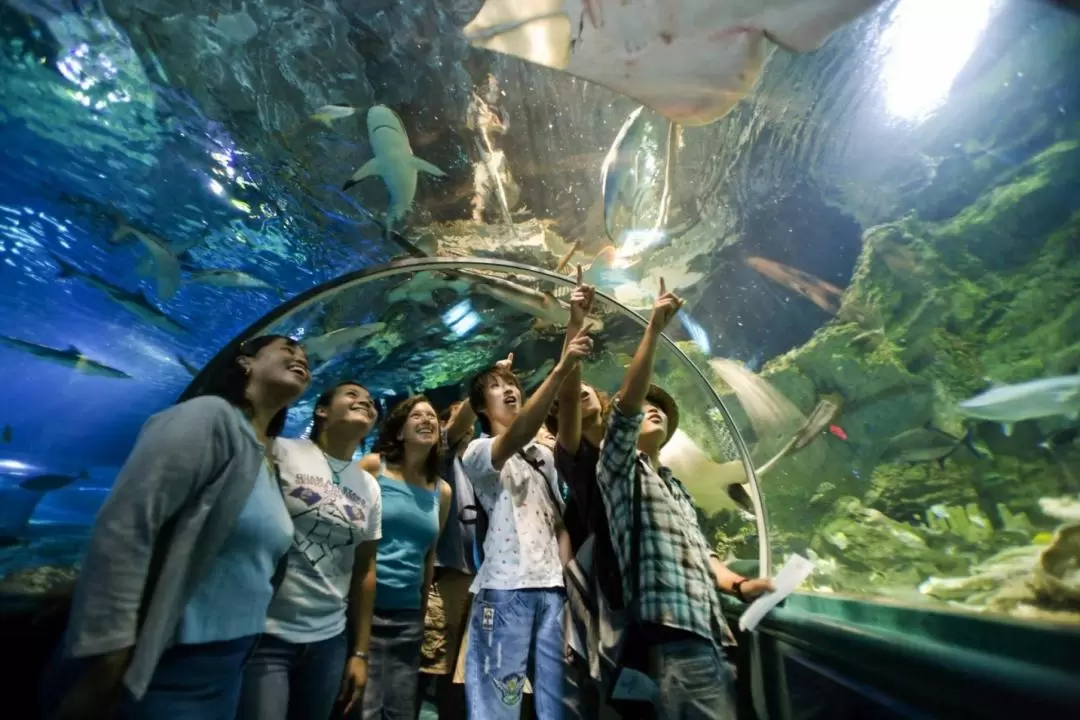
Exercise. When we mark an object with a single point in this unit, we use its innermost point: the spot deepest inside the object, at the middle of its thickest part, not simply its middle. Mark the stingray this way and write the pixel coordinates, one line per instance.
(689, 60)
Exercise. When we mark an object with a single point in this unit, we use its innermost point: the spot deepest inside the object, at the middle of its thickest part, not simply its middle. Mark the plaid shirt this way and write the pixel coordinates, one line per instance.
(678, 588)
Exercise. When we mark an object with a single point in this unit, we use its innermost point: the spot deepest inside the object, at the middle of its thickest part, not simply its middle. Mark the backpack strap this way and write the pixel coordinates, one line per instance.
(538, 466)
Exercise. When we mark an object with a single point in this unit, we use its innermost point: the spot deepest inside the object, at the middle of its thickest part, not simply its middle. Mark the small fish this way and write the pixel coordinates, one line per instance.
(1010, 404)
(927, 444)
(838, 432)
(166, 264)
(72, 358)
(232, 279)
(47, 483)
(328, 113)
(8, 433)
(330, 344)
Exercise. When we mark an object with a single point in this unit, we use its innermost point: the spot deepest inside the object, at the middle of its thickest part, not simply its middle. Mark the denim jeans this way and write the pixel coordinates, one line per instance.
(507, 629)
(293, 681)
(696, 681)
(394, 666)
(190, 682)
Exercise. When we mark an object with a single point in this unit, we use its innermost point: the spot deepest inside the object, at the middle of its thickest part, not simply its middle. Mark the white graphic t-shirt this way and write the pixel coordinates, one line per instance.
(521, 549)
(335, 506)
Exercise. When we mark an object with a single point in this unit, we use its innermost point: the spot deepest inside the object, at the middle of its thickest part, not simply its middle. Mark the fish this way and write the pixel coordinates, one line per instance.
(818, 291)
(839, 432)
(421, 287)
(330, 344)
(232, 279)
(546, 308)
(135, 303)
(394, 162)
(71, 358)
(166, 264)
(927, 444)
(628, 179)
(1010, 404)
(8, 433)
(328, 113)
(146, 266)
(52, 481)
(691, 61)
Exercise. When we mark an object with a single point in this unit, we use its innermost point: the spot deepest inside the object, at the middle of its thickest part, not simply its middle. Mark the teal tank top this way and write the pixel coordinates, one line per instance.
(410, 525)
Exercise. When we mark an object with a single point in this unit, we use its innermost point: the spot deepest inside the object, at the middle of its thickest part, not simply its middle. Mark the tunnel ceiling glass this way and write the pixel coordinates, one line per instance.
(877, 240)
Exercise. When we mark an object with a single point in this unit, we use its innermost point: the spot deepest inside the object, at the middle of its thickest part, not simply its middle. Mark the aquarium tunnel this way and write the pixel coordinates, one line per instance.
(872, 216)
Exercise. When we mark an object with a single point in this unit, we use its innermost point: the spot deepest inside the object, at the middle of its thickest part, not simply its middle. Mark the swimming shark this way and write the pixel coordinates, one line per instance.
(330, 344)
(1010, 404)
(71, 357)
(690, 60)
(394, 161)
(232, 279)
(166, 264)
(135, 303)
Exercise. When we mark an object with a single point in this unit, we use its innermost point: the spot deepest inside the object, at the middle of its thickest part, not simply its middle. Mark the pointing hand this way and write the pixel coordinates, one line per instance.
(665, 307)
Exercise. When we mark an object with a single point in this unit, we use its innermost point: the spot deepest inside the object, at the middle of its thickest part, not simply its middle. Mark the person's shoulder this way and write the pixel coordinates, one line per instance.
(208, 406)
(292, 444)
(204, 413)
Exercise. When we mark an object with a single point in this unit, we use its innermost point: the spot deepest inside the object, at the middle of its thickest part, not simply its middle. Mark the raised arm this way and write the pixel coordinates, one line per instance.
(525, 426)
(569, 436)
(638, 377)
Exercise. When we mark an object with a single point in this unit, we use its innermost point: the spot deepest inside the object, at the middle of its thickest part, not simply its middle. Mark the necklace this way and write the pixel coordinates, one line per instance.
(334, 471)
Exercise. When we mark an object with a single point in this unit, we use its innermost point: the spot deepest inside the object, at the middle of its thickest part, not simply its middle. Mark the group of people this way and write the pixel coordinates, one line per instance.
(234, 573)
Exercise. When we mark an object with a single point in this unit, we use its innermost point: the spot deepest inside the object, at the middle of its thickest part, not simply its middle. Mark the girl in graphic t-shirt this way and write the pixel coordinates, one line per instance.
(307, 661)
(415, 505)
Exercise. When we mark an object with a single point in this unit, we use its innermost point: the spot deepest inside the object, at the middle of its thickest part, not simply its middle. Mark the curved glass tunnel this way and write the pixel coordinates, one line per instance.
(878, 234)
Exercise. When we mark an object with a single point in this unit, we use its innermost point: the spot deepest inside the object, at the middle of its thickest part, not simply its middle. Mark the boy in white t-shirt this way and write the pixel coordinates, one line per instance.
(307, 662)
(518, 608)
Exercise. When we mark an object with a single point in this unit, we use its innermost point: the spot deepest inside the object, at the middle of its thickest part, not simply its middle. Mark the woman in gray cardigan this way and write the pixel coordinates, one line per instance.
(185, 553)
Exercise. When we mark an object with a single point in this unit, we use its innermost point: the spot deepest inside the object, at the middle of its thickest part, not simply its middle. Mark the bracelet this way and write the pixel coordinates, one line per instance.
(737, 589)
(360, 654)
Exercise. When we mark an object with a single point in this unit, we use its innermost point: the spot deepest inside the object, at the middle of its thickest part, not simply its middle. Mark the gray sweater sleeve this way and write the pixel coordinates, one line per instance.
(177, 452)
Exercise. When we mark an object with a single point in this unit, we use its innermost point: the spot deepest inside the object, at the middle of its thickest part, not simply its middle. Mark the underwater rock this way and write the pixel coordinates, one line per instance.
(1056, 579)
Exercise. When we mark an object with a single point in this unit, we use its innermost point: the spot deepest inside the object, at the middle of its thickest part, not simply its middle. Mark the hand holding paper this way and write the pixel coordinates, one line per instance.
(795, 570)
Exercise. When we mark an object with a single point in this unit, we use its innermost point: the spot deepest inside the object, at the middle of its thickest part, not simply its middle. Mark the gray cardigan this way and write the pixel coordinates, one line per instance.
(173, 505)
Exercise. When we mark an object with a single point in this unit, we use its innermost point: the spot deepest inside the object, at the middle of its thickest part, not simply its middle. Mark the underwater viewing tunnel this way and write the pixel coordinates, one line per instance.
(876, 366)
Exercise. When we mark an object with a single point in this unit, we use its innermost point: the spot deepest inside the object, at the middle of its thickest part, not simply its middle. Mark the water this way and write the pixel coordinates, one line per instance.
(881, 225)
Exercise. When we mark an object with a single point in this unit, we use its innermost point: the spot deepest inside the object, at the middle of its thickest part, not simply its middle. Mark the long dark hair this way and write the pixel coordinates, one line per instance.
(324, 401)
(392, 449)
(231, 381)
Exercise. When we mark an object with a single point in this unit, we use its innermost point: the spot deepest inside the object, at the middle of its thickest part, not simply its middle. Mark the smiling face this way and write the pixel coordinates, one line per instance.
(421, 426)
(351, 406)
(278, 369)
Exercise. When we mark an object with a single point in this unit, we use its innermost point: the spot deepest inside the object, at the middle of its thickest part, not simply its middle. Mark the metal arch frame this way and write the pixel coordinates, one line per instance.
(398, 267)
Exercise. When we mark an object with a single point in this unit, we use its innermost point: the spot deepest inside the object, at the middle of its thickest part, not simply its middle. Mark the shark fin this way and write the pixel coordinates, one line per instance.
(539, 32)
(1007, 428)
(121, 232)
(425, 166)
(368, 169)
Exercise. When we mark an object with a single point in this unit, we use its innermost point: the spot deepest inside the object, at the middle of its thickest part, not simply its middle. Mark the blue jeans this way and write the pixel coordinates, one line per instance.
(191, 682)
(394, 666)
(696, 681)
(293, 681)
(507, 629)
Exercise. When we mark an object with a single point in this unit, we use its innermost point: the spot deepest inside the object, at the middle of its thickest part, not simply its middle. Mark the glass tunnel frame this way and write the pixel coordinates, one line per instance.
(411, 265)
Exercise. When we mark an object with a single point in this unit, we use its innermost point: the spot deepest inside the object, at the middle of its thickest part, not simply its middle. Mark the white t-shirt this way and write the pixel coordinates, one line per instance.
(332, 513)
(521, 549)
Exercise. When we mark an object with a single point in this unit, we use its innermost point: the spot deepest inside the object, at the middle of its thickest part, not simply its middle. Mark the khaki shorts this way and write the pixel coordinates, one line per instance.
(445, 623)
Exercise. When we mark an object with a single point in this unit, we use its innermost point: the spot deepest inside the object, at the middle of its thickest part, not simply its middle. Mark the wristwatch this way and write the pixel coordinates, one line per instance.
(360, 654)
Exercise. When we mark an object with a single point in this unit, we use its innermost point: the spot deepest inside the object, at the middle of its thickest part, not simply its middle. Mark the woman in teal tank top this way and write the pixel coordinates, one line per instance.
(415, 503)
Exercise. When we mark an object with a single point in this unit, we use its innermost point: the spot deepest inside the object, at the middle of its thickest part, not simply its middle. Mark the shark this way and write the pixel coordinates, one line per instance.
(691, 61)
(165, 263)
(232, 279)
(394, 161)
(135, 303)
(1010, 404)
(330, 344)
(70, 357)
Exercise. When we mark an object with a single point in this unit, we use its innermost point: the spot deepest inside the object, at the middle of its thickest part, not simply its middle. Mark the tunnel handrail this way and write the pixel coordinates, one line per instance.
(397, 267)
